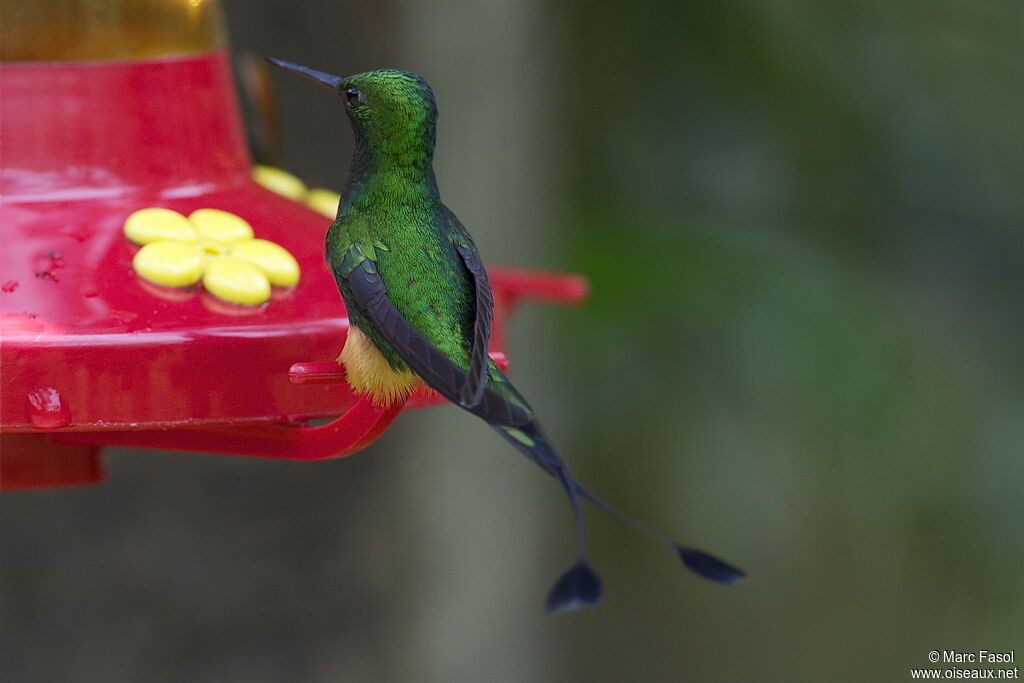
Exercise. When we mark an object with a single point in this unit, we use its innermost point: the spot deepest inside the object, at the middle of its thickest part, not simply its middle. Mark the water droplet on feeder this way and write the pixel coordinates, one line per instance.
(46, 409)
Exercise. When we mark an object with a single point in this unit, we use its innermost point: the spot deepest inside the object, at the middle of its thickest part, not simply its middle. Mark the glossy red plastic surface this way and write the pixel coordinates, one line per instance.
(91, 353)
(34, 461)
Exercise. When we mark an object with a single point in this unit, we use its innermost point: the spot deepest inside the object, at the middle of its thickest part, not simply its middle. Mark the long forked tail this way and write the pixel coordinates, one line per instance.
(579, 586)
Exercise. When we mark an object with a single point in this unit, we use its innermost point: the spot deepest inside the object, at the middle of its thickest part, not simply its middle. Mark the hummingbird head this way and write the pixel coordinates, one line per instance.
(393, 113)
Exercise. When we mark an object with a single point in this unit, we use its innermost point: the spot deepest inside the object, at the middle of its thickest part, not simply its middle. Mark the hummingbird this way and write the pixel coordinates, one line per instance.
(419, 300)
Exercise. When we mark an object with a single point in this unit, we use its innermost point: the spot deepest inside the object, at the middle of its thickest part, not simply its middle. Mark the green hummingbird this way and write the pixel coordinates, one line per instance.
(419, 301)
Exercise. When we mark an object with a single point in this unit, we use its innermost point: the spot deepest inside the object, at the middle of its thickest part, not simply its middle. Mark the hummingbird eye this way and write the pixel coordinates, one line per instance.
(352, 96)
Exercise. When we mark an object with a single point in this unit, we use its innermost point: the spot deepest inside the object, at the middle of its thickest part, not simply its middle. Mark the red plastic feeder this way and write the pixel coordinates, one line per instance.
(92, 355)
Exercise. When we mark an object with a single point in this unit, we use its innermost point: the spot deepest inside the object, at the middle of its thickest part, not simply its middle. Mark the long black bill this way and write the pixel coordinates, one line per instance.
(332, 82)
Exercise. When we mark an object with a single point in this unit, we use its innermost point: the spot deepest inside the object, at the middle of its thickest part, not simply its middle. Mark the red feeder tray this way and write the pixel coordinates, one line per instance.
(93, 355)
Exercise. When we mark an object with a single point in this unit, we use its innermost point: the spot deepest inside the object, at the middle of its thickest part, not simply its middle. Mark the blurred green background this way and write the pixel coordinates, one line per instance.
(804, 227)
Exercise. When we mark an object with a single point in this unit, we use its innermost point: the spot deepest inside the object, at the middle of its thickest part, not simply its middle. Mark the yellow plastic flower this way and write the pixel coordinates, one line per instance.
(287, 185)
(281, 182)
(211, 245)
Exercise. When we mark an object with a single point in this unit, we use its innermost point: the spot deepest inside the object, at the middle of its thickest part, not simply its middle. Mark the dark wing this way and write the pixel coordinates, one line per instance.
(370, 297)
(476, 379)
